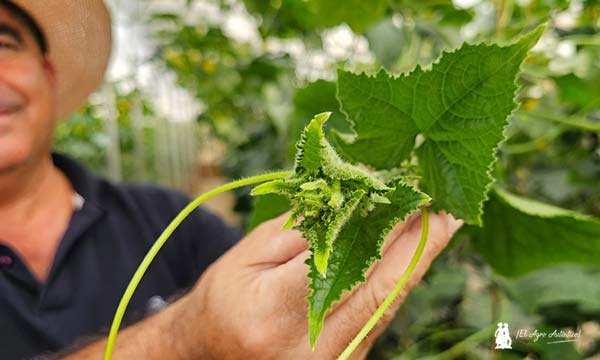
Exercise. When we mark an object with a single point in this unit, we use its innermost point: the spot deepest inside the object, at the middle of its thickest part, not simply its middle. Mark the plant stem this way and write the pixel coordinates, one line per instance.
(429, 341)
(394, 294)
(572, 121)
(463, 346)
(162, 239)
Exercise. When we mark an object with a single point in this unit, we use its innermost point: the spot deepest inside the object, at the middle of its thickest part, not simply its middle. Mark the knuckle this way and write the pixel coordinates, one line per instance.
(403, 294)
(437, 245)
(265, 226)
(385, 286)
(386, 318)
(377, 296)
(406, 291)
(255, 340)
(412, 282)
(379, 293)
(265, 333)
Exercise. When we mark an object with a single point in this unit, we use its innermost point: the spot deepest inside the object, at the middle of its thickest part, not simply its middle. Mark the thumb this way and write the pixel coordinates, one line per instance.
(269, 245)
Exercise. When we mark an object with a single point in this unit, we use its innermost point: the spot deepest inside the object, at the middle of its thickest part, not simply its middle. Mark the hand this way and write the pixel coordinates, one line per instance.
(251, 302)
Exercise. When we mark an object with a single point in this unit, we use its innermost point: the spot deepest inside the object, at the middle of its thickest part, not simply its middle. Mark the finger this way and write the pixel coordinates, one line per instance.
(353, 314)
(292, 280)
(386, 273)
(442, 228)
(396, 232)
(288, 244)
(269, 245)
(296, 268)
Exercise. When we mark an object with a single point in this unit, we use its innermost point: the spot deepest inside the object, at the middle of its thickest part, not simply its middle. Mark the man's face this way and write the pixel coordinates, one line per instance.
(27, 95)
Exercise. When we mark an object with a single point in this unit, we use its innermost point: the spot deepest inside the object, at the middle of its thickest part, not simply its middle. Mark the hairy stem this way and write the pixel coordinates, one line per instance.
(162, 239)
(395, 292)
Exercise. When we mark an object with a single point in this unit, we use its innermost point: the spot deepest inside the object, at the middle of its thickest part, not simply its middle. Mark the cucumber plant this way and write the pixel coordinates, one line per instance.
(426, 138)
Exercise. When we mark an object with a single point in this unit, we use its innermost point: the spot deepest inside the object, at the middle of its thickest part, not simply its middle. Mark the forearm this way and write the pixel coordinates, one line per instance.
(162, 336)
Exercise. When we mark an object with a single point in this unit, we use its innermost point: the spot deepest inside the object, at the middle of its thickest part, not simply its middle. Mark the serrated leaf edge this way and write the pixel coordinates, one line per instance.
(383, 235)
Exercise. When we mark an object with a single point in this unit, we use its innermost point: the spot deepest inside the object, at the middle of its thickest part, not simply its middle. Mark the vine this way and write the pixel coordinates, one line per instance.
(162, 239)
(345, 211)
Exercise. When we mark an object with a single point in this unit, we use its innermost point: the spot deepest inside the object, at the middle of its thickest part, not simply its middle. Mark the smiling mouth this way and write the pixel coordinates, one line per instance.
(9, 110)
(7, 117)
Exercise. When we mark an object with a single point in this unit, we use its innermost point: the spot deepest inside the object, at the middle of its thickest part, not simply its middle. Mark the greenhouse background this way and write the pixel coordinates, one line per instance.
(200, 92)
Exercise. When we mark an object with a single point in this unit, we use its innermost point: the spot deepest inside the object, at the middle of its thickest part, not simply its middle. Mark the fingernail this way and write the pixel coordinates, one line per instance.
(453, 224)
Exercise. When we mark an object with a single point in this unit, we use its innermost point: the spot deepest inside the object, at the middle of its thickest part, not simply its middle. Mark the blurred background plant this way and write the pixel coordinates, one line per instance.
(203, 91)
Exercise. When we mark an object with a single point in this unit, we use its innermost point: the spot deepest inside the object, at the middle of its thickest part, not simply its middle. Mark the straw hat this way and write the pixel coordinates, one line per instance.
(79, 39)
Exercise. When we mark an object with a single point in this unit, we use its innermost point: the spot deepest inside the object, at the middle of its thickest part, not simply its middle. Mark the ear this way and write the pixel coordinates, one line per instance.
(49, 70)
(50, 74)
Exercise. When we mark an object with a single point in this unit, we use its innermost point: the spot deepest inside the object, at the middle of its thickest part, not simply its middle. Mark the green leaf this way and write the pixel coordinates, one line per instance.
(575, 90)
(460, 107)
(556, 286)
(324, 190)
(267, 207)
(332, 232)
(522, 235)
(358, 14)
(286, 17)
(316, 97)
(357, 246)
(311, 146)
(377, 108)
(316, 156)
(387, 41)
(273, 187)
(456, 17)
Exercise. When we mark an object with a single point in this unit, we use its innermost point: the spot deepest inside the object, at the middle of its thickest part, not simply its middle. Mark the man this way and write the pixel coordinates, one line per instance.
(69, 241)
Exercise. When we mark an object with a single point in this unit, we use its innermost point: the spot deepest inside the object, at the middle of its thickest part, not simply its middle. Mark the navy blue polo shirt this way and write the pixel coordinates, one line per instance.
(107, 237)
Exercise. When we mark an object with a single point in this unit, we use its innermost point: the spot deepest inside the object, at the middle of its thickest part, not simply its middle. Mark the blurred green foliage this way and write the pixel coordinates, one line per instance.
(85, 136)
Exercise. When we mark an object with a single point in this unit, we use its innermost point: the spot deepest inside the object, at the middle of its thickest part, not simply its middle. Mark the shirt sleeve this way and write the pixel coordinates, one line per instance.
(204, 237)
(198, 242)
(217, 237)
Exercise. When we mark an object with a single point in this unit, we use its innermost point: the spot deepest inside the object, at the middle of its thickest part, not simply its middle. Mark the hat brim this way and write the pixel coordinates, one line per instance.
(79, 37)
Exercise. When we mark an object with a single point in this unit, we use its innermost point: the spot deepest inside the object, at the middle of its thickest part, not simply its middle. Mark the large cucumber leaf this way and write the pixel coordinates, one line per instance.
(460, 107)
(521, 235)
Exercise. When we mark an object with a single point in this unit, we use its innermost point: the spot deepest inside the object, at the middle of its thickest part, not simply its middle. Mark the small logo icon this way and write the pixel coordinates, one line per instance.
(503, 340)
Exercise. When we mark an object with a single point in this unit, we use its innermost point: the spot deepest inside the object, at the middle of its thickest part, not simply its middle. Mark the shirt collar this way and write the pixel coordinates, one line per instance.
(83, 181)
(88, 209)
